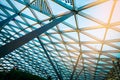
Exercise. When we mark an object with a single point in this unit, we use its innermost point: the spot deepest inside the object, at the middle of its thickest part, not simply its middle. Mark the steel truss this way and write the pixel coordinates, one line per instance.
(26, 40)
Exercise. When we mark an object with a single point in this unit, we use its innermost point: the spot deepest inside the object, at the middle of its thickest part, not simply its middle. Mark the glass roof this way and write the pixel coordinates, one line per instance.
(80, 47)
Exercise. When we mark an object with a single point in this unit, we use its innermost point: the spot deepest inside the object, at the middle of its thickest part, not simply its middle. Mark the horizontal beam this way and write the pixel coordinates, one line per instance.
(9, 47)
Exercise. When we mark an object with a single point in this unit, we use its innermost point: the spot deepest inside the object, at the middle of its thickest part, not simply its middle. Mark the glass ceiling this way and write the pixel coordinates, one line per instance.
(80, 47)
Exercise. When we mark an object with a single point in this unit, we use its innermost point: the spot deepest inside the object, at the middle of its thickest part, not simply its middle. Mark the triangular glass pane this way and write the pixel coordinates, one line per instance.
(95, 46)
(75, 46)
(116, 43)
(45, 41)
(85, 48)
(40, 15)
(19, 18)
(103, 57)
(61, 46)
(116, 55)
(70, 48)
(98, 33)
(28, 12)
(56, 9)
(29, 21)
(23, 26)
(63, 27)
(56, 37)
(2, 12)
(19, 6)
(86, 38)
(71, 20)
(67, 39)
(13, 23)
(112, 34)
(7, 27)
(106, 47)
(3, 18)
(72, 35)
(5, 3)
(51, 31)
(101, 11)
(80, 3)
(84, 22)
(116, 16)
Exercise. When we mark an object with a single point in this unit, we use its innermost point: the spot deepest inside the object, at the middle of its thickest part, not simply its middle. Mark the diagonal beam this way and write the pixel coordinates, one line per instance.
(6, 21)
(59, 76)
(9, 47)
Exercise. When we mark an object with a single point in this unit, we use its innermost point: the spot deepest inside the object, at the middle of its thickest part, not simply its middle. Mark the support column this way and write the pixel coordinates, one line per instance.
(9, 47)
(6, 21)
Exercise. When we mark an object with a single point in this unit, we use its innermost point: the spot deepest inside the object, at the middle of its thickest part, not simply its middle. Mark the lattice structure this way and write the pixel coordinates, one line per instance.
(64, 39)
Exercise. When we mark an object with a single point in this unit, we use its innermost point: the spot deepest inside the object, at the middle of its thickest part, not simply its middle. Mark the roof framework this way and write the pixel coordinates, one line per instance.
(64, 39)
